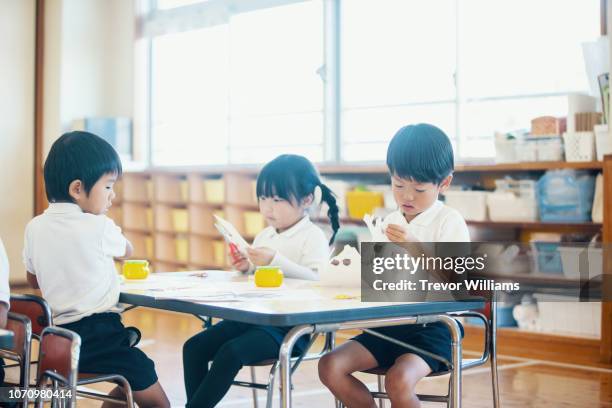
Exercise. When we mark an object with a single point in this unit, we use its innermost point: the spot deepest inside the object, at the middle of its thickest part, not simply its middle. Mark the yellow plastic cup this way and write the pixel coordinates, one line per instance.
(136, 269)
(268, 276)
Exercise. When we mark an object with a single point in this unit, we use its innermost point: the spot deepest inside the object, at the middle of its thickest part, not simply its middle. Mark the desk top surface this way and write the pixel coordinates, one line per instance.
(229, 295)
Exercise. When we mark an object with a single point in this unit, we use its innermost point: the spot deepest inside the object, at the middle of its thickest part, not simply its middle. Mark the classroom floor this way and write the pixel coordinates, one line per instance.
(523, 382)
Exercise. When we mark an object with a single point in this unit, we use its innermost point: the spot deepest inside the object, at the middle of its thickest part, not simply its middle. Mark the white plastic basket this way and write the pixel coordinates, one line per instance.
(563, 314)
(550, 149)
(579, 146)
(472, 205)
(603, 141)
(504, 206)
(591, 257)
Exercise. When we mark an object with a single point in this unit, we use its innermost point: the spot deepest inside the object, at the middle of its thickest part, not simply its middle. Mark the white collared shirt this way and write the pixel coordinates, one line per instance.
(71, 253)
(301, 251)
(438, 223)
(5, 291)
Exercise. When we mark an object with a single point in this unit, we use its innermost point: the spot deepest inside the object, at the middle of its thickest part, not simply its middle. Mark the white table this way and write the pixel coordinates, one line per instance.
(306, 306)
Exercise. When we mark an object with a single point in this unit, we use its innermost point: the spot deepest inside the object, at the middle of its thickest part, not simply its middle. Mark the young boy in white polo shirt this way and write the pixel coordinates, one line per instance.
(69, 253)
(420, 161)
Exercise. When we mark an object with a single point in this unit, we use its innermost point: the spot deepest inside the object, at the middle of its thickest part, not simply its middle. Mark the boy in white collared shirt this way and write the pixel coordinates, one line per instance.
(420, 161)
(69, 253)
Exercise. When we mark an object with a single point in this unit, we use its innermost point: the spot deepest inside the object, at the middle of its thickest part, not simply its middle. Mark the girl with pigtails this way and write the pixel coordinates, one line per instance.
(287, 187)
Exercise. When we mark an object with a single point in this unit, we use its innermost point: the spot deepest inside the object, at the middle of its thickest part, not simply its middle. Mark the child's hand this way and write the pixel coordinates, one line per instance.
(261, 256)
(240, 263)
(397, 233)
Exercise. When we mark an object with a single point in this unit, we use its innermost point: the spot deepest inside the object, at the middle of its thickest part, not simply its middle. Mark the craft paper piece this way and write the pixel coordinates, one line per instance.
(231, 234)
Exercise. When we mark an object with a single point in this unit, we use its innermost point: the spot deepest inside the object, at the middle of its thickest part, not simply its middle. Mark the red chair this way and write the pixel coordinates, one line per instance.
(39, 312)
(20, 352)
(58, 361)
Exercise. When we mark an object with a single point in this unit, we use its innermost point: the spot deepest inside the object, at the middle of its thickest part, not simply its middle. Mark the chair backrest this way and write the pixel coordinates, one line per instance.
(22, 343)
(22, 334)
(59, 353)
(35, 308)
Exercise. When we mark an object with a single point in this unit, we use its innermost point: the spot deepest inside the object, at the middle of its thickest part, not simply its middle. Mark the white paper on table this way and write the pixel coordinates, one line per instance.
(207, 295)
(231, 234)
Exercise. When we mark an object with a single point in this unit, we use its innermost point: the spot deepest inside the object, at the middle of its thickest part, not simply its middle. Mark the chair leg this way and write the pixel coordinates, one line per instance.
(494, 381)
(254, 390)
(381, 388)
(271, 382)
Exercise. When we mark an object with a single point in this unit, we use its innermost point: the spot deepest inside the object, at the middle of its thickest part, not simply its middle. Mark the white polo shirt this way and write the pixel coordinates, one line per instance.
(438, 223)
(301, 251)
(71, 253)
(5, 291)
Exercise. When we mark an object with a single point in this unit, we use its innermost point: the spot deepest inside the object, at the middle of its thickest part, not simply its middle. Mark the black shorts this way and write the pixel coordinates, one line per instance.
(106, 349)
(432, 337)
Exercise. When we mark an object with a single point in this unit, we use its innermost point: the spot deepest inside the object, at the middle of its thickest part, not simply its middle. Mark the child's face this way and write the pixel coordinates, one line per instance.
(282, 214)
(413, 197)
(100, 197)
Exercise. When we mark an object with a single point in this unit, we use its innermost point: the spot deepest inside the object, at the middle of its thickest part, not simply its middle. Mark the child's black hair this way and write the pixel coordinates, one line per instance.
(293, 178)
(78, 156)
(422, 153)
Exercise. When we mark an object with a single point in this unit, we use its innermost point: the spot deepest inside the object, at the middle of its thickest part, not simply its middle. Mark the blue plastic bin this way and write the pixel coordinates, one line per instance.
(565, 196)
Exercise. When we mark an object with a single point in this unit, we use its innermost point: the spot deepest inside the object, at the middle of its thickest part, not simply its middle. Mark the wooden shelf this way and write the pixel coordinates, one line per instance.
(528, 166)
(138, 230)
(539, 225)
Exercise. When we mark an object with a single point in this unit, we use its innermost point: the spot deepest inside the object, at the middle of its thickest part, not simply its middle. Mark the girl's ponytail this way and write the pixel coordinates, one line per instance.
(328, 197)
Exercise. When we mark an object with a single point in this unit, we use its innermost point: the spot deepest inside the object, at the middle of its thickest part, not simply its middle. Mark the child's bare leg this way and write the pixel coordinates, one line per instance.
(335, 371)
(402, 378)
(152, 397)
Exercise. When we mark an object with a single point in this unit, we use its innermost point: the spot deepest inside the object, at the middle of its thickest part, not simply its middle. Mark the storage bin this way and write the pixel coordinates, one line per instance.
(253, 223)
(550, 149)
(564, 314)
(603, 141)
(219, 252)
(506, 206)
(527, 150)
(184, 190)
(360, 203)
(581, 260)
(505, 149)
(579, 146)
(182, 249)
(180, 220)
(149, 218)
(472, 205)
(214, 191)
(546, 257)
(565, 196)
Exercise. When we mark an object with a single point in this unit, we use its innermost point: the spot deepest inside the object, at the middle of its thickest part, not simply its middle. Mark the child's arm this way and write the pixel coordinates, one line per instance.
(265, 256)
(129, 250)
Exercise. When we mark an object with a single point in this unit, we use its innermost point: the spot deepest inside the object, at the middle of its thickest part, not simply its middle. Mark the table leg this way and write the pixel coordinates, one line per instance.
(455, 331)
(286, 349)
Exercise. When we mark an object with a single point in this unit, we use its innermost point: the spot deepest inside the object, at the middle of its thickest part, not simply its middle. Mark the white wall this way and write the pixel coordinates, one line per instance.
(88, 62)
(17, 35)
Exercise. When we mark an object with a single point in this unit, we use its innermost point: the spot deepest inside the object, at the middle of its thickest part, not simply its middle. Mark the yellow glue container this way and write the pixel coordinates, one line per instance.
(268, 276)
(136, 269)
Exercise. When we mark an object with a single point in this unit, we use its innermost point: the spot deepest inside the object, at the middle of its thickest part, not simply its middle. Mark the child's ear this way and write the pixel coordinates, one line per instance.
(308, 200)
(76, 190)
(445, 184)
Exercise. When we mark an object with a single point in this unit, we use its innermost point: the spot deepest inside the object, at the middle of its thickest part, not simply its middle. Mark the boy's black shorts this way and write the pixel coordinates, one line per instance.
(432, 337)
(106, 348)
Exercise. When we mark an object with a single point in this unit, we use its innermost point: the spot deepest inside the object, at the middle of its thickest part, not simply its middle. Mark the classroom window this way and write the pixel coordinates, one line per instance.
(240, 82)
(236, 93)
